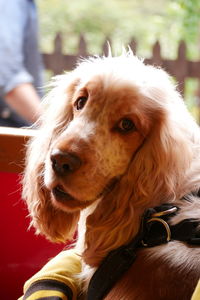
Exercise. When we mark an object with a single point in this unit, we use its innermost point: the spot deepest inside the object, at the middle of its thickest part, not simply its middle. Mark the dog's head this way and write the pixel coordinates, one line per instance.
(113, 129)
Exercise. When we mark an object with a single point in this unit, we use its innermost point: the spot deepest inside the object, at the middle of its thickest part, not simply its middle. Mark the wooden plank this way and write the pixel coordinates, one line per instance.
(193, 69)
(12, 148)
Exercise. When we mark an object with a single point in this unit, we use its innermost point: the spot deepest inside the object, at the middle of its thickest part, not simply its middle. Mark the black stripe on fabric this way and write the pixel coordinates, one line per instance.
(49, 284)
(50, 298)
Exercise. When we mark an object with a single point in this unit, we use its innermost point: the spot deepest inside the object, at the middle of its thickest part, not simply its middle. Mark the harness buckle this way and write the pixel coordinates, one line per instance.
(166, 226)
(157, 217)
(168, 211)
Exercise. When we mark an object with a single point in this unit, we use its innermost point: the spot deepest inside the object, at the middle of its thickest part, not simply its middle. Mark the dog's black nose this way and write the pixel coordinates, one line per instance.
(64, 163)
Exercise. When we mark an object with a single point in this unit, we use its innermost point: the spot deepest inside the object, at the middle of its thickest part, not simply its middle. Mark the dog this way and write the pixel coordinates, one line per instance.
(115, 138)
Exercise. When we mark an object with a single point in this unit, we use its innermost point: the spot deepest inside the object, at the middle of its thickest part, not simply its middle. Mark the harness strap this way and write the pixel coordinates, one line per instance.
(188, 231)
(113, 266)
(154, 231)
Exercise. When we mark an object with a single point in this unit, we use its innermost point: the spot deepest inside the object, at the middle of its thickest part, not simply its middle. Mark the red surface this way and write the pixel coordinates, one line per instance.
(21, 252)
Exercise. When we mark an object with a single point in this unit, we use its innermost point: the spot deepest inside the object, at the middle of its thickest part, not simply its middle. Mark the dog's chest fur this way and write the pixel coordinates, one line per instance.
(161, 273)
(169, 271)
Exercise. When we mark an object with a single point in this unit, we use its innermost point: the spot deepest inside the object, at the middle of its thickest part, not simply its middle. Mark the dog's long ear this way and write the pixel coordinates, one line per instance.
(155, 175)
(55, 224)
(158, 170)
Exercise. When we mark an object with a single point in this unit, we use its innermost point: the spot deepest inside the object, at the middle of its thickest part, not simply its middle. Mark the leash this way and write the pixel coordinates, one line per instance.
(154, 230)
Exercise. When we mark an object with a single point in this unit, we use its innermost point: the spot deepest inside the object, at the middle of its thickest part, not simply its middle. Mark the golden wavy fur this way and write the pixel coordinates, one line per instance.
(115, 138)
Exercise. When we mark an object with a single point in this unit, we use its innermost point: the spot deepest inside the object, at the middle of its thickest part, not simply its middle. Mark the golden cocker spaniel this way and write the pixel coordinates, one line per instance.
(116, 139)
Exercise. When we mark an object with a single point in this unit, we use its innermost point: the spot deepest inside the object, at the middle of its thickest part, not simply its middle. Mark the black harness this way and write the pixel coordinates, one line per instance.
(155, 230)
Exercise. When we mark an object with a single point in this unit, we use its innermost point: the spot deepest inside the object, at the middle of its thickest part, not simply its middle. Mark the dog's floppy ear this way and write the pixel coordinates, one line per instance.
(55, 224)
(159, 168)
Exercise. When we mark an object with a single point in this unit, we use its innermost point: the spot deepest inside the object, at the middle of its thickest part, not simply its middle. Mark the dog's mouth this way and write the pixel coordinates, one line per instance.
(61, 196)
(59, 193)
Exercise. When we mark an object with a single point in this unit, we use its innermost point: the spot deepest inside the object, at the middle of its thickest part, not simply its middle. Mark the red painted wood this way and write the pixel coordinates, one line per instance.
(21, 252)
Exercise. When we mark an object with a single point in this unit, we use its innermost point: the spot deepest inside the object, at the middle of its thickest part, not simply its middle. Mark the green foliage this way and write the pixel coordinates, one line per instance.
(191, 18)
(146, 20)
(188, 14)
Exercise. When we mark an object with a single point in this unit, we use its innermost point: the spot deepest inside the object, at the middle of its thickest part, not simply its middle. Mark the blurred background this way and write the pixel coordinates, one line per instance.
(164, 32)
(155, 29)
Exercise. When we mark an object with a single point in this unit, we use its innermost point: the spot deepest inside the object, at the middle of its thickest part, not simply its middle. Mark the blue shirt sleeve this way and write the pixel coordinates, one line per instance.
(14, 14)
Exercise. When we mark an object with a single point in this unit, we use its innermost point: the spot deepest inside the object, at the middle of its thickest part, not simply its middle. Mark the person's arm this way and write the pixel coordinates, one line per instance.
(196, 294)
(25, 101)
(16, 82)
(56, 279)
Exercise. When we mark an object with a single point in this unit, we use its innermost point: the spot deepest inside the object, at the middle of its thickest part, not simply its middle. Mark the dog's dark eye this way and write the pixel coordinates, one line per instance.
(126, 125)
(80, 102)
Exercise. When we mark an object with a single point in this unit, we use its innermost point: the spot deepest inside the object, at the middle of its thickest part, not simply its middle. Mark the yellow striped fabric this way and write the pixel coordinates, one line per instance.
(48, 289)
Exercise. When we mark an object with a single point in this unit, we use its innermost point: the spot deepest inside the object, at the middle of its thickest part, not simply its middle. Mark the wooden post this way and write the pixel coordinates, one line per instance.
(156, 54)
(55, 61)
(180, 67)
(82, 47)
(133, 45)
(57, 55)
(106, 46)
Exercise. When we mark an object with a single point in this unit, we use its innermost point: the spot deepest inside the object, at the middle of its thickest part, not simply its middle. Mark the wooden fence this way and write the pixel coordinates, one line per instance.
(11, 158)
(181, 68)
